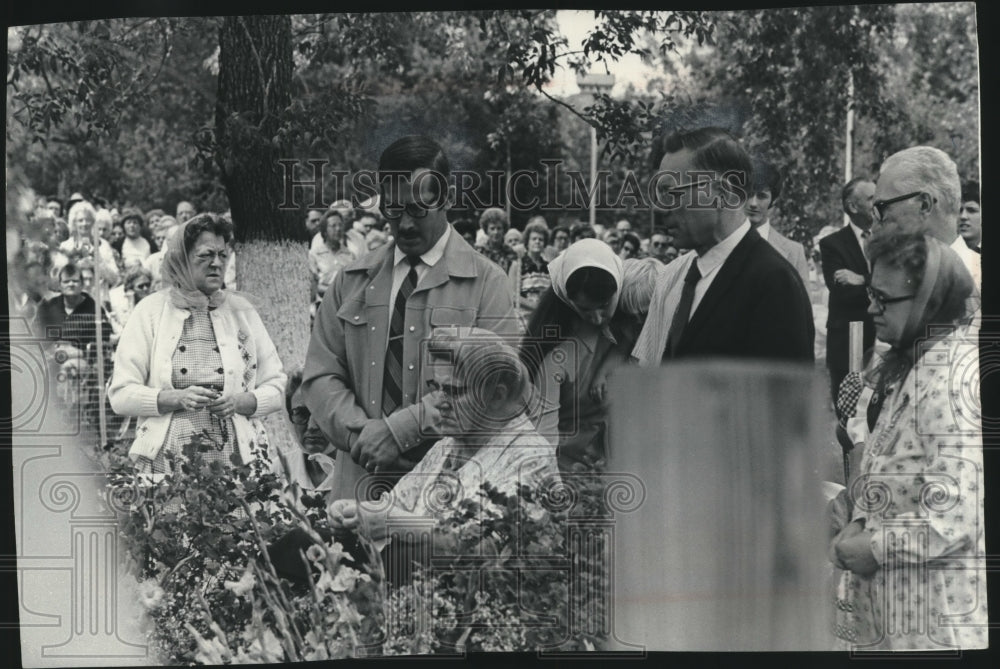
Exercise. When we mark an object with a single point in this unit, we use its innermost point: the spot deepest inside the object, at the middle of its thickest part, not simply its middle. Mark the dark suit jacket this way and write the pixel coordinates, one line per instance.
(840, 250)
(756, 307)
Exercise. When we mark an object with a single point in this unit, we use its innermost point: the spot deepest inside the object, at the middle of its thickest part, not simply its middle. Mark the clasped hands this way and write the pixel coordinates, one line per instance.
(376, 449)
(196, 398)
(851, 550)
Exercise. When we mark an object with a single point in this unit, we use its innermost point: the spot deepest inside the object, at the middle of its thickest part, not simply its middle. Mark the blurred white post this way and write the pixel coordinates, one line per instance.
(849, 139)
(593, 84)
(509, 194)
(99, 329)
(593, 175)
(726, 550)
(855, 345)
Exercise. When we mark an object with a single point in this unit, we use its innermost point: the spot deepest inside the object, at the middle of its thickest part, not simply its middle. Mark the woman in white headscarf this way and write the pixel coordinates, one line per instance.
(582, 330)
(195, 359)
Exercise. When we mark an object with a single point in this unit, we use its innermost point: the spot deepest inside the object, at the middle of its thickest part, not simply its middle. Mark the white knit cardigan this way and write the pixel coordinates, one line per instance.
(143, 367)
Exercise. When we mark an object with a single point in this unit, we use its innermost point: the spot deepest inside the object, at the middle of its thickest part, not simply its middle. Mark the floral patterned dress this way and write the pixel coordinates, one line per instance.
(920, 492)
(501, 254)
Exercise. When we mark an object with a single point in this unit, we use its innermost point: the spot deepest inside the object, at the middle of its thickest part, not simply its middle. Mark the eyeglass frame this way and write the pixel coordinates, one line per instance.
(448, 389)
(879, 206)
(876, 298)
(209, 256)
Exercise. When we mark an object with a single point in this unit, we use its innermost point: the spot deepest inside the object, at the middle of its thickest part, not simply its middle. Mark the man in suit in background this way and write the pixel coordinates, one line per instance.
(733, 295)
(846, 272)
(763, 194)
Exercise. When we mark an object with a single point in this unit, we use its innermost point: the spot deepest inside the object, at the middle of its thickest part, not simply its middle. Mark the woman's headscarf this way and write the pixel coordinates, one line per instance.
(586, 253)
(177, 277)
(946, 281)
(940, 300)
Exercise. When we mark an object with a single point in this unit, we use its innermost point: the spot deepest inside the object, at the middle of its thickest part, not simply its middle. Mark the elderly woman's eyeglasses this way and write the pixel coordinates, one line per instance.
(209, 256)
(879, 206)
(880, 300)
(454, 392)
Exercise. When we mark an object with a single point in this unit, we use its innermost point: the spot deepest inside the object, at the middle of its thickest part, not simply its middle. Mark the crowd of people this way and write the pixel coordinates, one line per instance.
(482, 353)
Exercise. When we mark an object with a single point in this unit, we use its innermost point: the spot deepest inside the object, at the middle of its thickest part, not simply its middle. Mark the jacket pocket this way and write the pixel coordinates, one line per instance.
(353, 313)
(452, 316)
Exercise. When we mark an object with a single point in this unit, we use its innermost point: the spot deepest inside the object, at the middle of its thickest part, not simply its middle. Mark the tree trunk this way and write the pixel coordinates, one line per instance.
(255, 75)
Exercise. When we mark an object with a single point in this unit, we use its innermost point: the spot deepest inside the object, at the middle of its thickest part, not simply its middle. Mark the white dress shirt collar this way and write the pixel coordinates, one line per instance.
(715, 256)
(432, 255)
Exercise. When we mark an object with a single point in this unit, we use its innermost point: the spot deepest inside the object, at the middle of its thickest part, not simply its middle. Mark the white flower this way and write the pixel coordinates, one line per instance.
(345, 579)
(314, 553)
(242, 586)
(151, 594)
(271, 650)
(537, 513)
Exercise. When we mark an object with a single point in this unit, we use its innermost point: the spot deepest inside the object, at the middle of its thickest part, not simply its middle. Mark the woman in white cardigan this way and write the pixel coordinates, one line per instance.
(194, 359)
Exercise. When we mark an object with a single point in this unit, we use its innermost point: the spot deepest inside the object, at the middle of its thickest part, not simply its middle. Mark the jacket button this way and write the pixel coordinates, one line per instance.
(412, 328)
(182, 348)
(410, 367)
(357, 318)
(184, 370)
(373, 363)
(373, 401)
(220, 370)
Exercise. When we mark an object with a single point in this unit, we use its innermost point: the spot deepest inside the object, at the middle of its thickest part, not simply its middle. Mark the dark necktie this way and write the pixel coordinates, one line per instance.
(683, 313)
(865, 235)
(392, 379)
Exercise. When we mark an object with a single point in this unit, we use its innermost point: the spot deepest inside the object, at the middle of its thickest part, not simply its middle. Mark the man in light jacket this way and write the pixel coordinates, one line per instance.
(365, 373)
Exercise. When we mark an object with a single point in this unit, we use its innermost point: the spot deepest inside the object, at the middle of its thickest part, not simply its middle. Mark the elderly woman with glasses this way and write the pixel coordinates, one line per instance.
(911, 531)
(479, 393)
(195, 360)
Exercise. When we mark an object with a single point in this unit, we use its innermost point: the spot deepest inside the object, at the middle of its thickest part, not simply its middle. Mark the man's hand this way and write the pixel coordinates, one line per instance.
(846, 277)
(376, 449)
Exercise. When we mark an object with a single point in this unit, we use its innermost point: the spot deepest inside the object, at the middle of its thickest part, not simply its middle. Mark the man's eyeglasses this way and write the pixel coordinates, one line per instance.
(454, 392)
(879, 206)
(394, 212)
(880, 300)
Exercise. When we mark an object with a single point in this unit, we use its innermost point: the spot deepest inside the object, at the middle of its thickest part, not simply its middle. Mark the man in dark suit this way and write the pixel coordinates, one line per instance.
(733, 295)
(846, 273)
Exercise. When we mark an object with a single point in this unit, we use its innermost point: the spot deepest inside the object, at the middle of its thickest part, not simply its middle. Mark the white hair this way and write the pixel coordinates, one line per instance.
(924, 168)
(103, 216)
(82, 205)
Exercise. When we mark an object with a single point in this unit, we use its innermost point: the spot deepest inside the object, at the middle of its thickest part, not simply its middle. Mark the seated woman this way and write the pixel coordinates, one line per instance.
(479, 389)
(196, 360)
(582, 330)
(915, 503)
